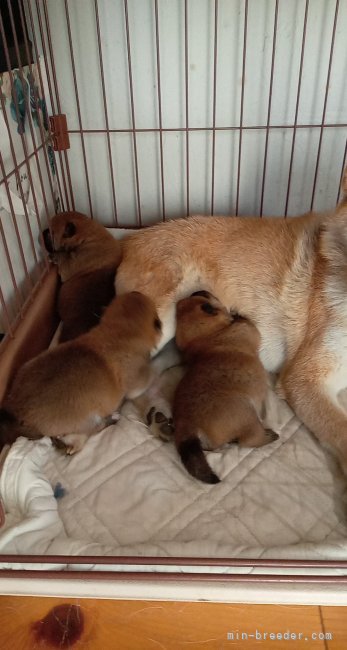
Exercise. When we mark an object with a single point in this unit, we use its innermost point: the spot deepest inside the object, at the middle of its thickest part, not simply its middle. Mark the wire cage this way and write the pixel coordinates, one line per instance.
(137, 111)
(173, 108)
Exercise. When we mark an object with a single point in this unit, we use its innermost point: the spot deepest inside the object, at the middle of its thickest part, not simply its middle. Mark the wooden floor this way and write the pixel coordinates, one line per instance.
(27, 623)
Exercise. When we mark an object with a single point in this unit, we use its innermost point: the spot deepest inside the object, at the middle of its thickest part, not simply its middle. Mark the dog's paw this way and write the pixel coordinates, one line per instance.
(160, 425)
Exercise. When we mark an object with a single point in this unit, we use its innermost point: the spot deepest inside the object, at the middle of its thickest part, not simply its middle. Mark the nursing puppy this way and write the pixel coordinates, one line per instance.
(288, 276)
(71, 391)
(221, 397)
(87, 257)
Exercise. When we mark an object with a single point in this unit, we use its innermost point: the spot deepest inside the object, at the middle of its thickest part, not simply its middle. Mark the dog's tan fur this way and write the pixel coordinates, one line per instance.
(87, 257)
(221, 397)
(289, 276)
(71, 391)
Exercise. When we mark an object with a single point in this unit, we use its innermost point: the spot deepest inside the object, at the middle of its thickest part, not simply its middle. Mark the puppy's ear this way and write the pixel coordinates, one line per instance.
(70, 230)
(208, 309)
(204, 294)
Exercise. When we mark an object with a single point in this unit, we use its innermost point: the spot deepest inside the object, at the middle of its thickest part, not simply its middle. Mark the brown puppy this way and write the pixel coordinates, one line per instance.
(221, 398)
(87, 257)
(71, 391)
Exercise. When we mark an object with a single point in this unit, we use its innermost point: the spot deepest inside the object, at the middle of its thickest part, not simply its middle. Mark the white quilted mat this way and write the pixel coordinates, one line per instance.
(127, 493)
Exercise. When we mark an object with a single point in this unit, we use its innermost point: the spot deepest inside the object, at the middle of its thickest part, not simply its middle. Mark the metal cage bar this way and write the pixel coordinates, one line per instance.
(25, 150)
(186, 82)
(132, 104)
(41, 127)
(269, 107)
(28, 279)
(214, 101)
(341, 175)
(84, 156)
(64, 195)
(114, 200)
(244, 54)
(56, 90)
(295, 126)
(32, 133)
(157, 42)
(18, 294)
(325, 102)
(25, 271)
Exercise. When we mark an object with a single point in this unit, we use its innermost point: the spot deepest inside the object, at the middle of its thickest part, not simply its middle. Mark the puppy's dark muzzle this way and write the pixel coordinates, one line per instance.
(47, 240)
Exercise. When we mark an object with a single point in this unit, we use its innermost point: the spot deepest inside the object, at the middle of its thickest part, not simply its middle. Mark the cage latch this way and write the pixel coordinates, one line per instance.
(59, 132)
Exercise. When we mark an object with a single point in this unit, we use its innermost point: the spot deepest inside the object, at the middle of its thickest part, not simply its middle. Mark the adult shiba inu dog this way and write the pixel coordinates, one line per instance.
(72, 391)
(221, 397)
(87, 257)
(288, 276)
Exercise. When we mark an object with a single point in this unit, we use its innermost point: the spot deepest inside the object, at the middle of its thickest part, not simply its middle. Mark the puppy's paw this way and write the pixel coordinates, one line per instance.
(271, 435)
(73, 442)
(110, 420)
(71, 450)
(63, 447)
(53, 257)
(59, 444)
(160, 425)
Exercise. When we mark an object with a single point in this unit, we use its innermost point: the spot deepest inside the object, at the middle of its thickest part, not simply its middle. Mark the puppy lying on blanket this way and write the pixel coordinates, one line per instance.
(71, 391)
(87, 257)
(221, 397)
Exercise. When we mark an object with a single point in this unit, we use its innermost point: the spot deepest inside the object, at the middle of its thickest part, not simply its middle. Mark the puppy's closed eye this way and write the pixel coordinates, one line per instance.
(157, 324)
(236, 316)
(208, 309)
(70, 230)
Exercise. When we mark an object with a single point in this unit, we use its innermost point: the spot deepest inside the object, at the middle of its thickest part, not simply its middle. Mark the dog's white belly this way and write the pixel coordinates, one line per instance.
(272, 349)
(335, 382)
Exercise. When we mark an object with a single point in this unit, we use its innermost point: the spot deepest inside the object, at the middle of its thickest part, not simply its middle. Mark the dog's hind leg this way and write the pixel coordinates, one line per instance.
(308, 398)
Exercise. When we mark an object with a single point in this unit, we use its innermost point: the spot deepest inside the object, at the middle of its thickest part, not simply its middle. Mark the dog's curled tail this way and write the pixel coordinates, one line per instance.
(194, 460)
(10, 428)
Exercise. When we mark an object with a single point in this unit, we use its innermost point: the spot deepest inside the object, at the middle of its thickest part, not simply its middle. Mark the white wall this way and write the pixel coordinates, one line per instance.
(228, 96)
(200, 63)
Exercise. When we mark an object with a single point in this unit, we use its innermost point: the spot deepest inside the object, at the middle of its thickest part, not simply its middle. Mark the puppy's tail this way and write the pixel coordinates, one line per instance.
(194, 460)
(11, 429)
